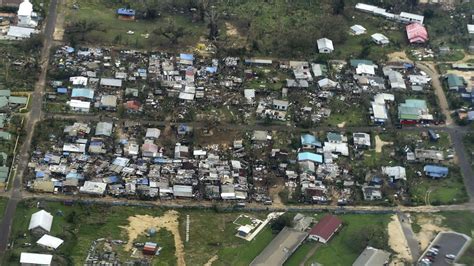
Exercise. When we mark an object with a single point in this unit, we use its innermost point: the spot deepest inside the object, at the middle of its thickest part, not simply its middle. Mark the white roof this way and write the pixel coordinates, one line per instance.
(365, 7)
(20, 32)
(325, 82)
(381, 98)
(317, 69)
(42, 219)
(397, 172)
(412, 16)
(74, 147)
(249, 93)
(365, 69)
(325, 43)
(380, 112)
(90, 187)
(380, 38)
(186, 96)
(152, 133)
(50, 241)
(358, 29)
(111, 82)
(35, 258)
(25, 8)
(470, 28)
(245, 228)
(341, 148)
(79, 104)
(79, 80)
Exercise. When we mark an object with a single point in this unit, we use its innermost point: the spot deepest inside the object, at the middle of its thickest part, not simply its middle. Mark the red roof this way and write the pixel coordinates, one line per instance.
(416, 33)
(326, 227)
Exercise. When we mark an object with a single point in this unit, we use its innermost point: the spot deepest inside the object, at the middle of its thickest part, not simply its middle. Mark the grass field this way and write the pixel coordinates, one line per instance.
(112, 31)
(347, 114)
(213, 234)
(348, 243)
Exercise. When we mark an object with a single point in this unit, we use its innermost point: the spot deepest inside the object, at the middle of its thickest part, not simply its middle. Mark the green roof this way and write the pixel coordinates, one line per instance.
(455, 81)
(5, 135)
(421, 104)
(3, 101)
(356, 62)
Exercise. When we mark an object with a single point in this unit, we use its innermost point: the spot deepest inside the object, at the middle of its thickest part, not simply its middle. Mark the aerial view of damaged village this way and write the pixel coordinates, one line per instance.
(236, 132)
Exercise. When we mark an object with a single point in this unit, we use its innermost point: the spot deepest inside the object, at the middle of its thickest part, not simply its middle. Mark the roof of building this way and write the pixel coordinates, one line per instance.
(125, 12)
(91, 187)
(281, 247)
(356, 62)
(397, 172)
(325, 43)
(455, 80)
(35, 258)
(108, 101)
(436, 170)
(25, 8)
(327, 226)
(104, 129)
(42, 219)
(412, 16)
(82, 93)
(183, 191)
(308, 139)
(380, 38)
(372, 256)
(20, 32)
(416, 33)
(50, 241)
(111, 82)
(309, 156)
(470, 28)
(358, 29)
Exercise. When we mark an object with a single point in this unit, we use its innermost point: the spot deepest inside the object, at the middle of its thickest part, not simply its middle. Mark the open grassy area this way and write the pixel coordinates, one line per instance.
(213, 234)
(298, 257)
(351, 240)
(462, 222)
(343, 113)
(112, 31)
(79, 226)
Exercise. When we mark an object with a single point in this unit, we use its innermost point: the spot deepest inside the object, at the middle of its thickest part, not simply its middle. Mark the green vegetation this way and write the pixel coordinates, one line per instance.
(352, 239)
(297, 258)
(347, 114)
(214, 234)
(79, 226)
(462, 222)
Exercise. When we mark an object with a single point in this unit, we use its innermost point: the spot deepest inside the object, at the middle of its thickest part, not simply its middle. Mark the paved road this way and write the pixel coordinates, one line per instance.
(450, 243)
(33, 117)
(411, 238)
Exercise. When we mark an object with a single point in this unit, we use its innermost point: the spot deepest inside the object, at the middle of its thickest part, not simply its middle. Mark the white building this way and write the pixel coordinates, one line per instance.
(379, 38)
(18, 33)
(41, 220)
(25, 14)
(325, 46)
(93, 188)
(50, 242)
(29, 259)
(358, 30)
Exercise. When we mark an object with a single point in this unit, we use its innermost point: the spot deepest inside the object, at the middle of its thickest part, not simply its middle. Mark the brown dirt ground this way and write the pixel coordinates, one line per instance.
(430, 226)
(379, 143)
(398, 242)
(398, 56)
(169, 221)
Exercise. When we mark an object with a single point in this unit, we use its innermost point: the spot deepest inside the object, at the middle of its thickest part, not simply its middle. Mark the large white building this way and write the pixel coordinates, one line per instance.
(25, 14)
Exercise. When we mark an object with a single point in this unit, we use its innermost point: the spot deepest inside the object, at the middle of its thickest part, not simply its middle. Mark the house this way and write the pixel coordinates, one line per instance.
(126, 14)
(435, 171)
(396, 80)
(410, 18)
(149, 149)
(110, 83)
(327, 84)
(372, 192)
(361, 140)
(325, 229)
(325, 46)
(40, 222)
(82, 93)
(18, 33)
(244, 230)
(281, 248)
(358, 30)
(152, 133)
(413, 111)
(319, 70)
(35, 259)
(104, 129)
(25, 15)
(133, 106)
(309, 156)
(49, 242)
(395, 173)
(309, 141)
(372, 257)
(93, 188)
(336, 137)
(108, 102)
(183, 191)
(379, 38)
(424, 155)
(79, 106)
(416, 33)
(456, 83)
(280, 105)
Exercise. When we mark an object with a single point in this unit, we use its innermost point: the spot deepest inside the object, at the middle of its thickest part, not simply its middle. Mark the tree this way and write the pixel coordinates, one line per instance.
(338, 7)
(213, 18)
(281, 222)
(171, 31)
(82, 27)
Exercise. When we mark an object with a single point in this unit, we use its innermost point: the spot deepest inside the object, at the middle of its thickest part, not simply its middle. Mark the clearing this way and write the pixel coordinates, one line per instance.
(169, 221)
(379, 143)
(397, 240)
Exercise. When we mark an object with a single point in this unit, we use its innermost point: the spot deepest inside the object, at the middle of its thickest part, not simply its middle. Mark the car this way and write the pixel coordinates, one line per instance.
(437, 246)
(450, 256)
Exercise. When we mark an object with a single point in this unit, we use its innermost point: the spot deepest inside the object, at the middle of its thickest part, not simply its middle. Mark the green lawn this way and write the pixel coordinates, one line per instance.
(351, 240)
(79, 226)
(213, 234)
(462, 222)
(449, 190)
(347, 114)
(112, 31)
(297, 258)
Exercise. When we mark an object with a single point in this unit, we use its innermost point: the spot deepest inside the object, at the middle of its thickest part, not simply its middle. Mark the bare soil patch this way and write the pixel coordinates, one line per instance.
(379, 143)
(397, 241)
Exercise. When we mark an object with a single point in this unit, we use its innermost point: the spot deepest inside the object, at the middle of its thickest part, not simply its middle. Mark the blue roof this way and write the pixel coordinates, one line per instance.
(143, 181)
(308, 139)
(211, 69)
(189, 57)
(435, 170)
(39, 174)
(61, 90)
(74, 175)
(125, 12)
(309, 156)
(83, 93)
(113, 179)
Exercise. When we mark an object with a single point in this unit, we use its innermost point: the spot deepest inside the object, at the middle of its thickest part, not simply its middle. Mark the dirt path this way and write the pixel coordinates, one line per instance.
(379, 143)
(275, 196)
(397, 241)
(234, 34)
(138, 224)
(211, 260)
(430, 226)
(59, 30)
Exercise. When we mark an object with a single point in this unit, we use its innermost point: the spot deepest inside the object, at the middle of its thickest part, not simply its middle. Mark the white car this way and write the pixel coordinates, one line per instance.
(450, 256)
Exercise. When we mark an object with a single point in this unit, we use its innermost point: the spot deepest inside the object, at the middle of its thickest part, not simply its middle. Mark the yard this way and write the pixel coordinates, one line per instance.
(349, 242)
(345, 114)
